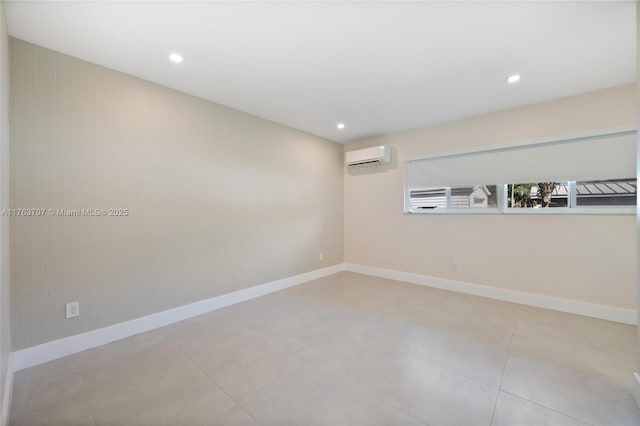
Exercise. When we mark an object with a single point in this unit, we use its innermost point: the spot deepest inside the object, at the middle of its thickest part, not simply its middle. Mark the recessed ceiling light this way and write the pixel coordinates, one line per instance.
(174, 57)
(513, 78)
(340, 126)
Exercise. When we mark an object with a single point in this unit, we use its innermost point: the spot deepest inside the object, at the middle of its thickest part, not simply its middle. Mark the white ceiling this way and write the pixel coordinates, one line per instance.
(381, 67)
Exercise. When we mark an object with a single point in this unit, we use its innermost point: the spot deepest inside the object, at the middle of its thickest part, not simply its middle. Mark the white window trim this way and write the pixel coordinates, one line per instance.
(613, 210)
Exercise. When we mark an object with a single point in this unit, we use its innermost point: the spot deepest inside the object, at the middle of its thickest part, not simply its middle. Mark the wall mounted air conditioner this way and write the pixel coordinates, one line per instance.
(374, 155)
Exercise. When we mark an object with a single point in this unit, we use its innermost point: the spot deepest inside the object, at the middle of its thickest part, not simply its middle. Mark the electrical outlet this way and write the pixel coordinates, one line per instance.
(73, 309)
(321, 256)
(455, 265)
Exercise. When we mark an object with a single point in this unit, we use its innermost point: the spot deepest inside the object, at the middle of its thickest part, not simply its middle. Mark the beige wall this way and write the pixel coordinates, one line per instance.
(219, 200)
(5, 317)
(584, 257)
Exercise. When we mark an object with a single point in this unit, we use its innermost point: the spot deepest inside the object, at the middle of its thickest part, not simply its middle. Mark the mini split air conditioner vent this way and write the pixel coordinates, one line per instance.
(368, 156)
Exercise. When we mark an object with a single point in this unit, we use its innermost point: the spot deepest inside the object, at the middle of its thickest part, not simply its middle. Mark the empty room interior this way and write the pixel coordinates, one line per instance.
(319, 213)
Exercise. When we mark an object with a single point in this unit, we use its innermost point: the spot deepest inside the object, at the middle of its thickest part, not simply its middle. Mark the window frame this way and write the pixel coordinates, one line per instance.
(502, 201)
(452, 210)
(502, 194)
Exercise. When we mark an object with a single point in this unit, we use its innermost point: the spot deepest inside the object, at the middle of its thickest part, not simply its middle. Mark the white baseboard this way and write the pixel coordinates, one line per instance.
(49, 351)
(636, 388)
(6, 395)
(611, 313)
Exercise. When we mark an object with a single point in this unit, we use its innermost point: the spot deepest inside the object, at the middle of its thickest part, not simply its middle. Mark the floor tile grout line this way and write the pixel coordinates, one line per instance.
(495, 404)
(310, 362)
(93, 415)
(199, 368)
(548, 408)
(369, 395)
(515, 326)
(238, 404)
(506, 361)
(513, 333)
(440, 367)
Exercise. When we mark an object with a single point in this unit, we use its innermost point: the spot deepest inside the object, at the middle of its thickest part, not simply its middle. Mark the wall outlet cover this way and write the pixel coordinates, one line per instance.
(72, 309)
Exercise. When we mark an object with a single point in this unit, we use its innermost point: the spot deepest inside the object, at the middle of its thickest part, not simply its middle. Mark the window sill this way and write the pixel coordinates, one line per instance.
(455, 211)
(576, 210)
(623, 211)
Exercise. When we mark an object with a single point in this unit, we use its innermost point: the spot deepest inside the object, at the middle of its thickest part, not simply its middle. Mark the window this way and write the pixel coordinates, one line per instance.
(428, 198)
(538, 195)
(588, 196)
(546, 175)
(478, 196)
(599, 193)
(459, 197)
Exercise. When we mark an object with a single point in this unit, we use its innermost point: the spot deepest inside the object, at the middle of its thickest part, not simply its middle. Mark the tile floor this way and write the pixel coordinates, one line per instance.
(348, 349)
